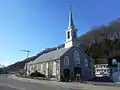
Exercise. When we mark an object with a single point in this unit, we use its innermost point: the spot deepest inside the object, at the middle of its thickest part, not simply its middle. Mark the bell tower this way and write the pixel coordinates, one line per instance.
(71, 33)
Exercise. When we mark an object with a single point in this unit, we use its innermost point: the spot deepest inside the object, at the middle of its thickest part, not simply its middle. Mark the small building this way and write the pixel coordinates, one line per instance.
(114, 65)
(69, 61)
(101, 68)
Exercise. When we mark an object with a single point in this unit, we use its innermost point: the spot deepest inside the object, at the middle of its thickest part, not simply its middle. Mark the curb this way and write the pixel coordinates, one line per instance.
(65, 83)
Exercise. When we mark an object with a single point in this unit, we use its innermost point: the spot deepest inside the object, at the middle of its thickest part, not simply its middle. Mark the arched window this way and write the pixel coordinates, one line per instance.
(68, 36)
(76, 57)
(66, 60)
(31, 67)
(54, 68)
(46, 69)
(47, 65)
(86, 62)
(35, 67)
(41, 68)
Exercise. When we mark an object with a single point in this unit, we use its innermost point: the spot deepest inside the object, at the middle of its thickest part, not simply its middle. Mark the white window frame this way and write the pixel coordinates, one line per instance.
(66, 60)
(37, 66)
(31, 67)
(57, 72)
(47, 65)
(54, 68)
(68, 35)
(46, 71)
(76, 57)
(41, 67)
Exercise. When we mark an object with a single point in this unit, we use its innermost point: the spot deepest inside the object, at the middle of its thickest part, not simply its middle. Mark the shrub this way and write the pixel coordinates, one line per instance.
(37, 74)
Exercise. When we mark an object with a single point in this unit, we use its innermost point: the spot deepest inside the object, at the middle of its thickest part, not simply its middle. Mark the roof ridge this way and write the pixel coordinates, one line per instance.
(53, 55)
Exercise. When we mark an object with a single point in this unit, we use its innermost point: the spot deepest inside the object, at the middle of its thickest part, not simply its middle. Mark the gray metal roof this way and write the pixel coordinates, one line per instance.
(29, 63)
(53, 55)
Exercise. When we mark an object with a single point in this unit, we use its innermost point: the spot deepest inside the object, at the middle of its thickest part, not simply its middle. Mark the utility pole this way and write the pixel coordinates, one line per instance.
(27, 51)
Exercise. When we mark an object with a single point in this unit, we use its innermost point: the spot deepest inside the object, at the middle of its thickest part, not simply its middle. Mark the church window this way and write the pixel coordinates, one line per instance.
(76, 57)
(54, 68)
(38, 67)
(35, 67)
(66, 60)
(57, 72)
(46, 68)
(74, 34)
(46, 65)
(68, 34)
(41, 68)
(32, 67)
(86, 62)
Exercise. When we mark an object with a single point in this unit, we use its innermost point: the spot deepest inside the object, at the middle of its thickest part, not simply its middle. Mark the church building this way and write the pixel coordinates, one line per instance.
(71, 60)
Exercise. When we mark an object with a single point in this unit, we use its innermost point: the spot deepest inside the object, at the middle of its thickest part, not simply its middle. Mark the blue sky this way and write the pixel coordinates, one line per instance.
(39, 24)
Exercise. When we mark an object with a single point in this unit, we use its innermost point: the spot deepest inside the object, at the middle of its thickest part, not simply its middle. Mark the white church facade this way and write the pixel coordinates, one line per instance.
(71, 60)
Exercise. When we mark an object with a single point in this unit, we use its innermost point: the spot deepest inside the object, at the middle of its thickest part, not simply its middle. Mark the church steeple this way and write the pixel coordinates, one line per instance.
(71, 32)
(71, 23)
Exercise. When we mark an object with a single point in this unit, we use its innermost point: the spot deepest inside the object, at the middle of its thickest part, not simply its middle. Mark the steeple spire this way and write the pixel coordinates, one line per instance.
(71, 32)
(71, 23)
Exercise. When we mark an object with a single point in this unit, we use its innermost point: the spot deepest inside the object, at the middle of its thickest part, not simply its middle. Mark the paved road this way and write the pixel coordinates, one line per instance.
(7, 83)
(12, 84)
(3, 87)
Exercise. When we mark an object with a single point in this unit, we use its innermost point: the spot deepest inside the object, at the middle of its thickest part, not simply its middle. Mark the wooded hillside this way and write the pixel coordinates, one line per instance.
(99, 42)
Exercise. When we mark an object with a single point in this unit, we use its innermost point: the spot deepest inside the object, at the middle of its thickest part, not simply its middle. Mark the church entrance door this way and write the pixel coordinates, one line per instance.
(66, 74)
(77, 73)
